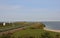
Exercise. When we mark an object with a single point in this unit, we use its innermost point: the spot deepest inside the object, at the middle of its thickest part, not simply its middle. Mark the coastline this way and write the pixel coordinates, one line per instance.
(51, 30)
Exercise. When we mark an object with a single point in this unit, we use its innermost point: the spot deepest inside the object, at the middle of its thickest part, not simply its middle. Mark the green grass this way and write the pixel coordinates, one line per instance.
(32, 33)
(36, 33)
(30, 30)
(9, 27)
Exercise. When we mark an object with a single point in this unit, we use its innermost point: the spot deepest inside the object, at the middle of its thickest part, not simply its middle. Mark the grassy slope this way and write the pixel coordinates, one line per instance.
(28, 32)
(32, 32)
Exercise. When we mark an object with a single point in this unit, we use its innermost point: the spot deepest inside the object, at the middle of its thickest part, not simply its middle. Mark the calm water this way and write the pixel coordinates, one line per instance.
(52, 25)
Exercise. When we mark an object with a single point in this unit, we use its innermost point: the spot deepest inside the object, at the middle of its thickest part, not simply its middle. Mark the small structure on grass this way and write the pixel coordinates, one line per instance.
(4, 24)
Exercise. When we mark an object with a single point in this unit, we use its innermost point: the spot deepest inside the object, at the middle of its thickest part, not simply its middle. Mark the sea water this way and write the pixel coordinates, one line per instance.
(52, 25)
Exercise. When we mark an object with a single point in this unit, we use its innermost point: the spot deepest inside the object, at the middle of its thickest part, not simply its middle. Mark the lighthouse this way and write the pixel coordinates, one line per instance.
(4, 24)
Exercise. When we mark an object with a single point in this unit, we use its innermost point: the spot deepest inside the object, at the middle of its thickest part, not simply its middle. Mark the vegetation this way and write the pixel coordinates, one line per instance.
(30, 30)
(10, 26)
(32, 33)
(35, 33)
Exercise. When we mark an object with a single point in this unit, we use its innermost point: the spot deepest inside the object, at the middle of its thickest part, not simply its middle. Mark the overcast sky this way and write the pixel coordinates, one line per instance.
(29, 10)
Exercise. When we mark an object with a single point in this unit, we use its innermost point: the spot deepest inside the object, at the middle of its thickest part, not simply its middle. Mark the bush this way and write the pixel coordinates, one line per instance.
(46, 35)
(6, 35)
(38, 26)
(57, 36)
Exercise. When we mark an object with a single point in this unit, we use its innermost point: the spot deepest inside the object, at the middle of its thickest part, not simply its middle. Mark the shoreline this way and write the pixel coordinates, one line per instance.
(51, 30)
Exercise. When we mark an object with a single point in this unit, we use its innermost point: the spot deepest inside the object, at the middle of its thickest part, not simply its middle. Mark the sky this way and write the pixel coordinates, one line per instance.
(29, 10)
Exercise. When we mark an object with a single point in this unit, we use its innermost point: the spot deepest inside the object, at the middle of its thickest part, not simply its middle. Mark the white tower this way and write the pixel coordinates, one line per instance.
(4, 24)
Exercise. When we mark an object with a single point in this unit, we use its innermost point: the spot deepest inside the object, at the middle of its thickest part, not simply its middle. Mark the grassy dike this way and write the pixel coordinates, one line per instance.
(31, 30)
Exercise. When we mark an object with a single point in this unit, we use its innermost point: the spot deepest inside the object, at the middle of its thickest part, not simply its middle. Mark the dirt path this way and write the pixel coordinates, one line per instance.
(12, 31)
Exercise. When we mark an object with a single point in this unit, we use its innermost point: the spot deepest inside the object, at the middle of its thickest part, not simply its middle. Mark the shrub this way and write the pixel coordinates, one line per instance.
(6, 35)
(46, 35)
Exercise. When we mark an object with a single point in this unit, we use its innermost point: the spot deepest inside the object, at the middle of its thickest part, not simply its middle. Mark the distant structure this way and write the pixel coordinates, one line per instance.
(4, 24)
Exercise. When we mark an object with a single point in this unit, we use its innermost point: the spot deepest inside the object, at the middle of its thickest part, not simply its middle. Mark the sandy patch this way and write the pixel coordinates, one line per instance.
(51, 30)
